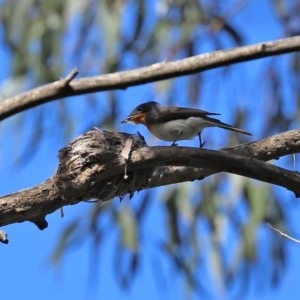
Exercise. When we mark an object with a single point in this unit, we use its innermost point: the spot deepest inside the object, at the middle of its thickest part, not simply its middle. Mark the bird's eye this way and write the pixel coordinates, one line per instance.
(139, 109)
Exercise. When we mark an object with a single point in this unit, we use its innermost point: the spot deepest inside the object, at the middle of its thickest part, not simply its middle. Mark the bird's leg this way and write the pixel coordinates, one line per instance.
(177, 137)
(200, 141)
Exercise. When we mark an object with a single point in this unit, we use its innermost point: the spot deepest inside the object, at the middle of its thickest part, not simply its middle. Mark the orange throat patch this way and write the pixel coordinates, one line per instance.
(138, 119)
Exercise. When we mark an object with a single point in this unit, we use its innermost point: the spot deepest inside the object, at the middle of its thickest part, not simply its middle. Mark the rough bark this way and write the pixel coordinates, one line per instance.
(102, 165)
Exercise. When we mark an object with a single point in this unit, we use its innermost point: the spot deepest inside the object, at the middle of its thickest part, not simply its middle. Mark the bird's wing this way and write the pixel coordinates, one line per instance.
(170, 113)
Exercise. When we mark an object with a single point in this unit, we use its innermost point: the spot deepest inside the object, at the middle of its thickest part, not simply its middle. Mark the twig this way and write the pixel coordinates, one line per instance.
(3, 237)
(70, 76)
(283, 234)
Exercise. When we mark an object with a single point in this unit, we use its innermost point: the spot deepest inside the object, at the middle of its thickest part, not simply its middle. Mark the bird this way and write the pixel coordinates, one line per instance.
(173, 123)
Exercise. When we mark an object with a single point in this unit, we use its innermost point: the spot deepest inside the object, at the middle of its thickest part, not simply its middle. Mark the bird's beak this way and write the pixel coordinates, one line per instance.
(127, 120)
(136, 119)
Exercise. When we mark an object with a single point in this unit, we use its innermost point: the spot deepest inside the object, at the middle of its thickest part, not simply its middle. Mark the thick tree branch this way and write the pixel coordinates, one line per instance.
(160, 71)
(217, 161)
(94, 166)
(272, 147)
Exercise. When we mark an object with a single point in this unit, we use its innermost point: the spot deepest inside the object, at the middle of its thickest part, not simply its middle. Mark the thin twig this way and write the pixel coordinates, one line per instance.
(3, 237)
(70, 76)
(283, 234)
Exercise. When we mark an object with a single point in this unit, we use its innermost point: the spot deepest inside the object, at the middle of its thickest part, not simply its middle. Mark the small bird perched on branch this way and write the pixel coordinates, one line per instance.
(172, 123)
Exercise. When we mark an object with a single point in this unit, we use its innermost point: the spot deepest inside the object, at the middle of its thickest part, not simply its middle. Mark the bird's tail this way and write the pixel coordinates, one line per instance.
(218, 123)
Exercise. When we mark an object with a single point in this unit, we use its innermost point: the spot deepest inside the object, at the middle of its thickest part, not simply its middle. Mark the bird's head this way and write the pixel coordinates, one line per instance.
(138, 115)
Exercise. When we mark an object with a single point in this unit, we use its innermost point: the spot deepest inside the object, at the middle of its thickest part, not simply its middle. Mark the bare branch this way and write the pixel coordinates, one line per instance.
(93, 166)
(217, 161)
(156, 72)
(272, 147)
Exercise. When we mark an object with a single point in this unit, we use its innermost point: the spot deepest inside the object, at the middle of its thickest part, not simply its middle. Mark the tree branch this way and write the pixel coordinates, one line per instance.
(155, 72)
(217, 161)
(272, 147)
(94, 166)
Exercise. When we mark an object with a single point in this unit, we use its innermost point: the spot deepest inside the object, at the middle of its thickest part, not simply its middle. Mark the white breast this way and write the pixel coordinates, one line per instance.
(183, 129)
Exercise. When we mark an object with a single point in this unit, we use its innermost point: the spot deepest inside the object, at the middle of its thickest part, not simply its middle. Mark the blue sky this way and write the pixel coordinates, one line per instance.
(27, 270)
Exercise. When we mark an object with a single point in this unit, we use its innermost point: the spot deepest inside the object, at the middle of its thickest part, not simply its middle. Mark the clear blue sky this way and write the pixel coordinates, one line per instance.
(26, 269)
